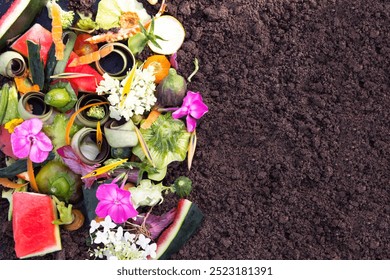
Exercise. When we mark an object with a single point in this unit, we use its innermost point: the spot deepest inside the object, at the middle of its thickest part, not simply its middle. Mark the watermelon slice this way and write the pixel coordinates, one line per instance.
(34, 232)
(188, 219)
(17, 18)
(38, 34)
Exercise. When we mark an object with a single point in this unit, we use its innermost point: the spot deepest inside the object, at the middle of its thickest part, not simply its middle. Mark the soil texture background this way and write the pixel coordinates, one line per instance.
(293, 156)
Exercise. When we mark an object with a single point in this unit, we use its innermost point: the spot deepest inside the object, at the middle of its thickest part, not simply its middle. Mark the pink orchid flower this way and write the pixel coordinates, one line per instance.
(192, 107)
(114, 202)
(28, 140)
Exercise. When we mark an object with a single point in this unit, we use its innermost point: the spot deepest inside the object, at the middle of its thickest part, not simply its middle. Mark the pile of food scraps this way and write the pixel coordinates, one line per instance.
(89, 127)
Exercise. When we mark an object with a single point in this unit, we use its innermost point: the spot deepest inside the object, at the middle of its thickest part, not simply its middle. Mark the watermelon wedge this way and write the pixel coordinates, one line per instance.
(188, 219)
(34, 232)
(38, 34)
(18, 17)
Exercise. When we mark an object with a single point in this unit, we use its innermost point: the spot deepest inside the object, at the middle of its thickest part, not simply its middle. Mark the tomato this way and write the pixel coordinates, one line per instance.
(81, 47)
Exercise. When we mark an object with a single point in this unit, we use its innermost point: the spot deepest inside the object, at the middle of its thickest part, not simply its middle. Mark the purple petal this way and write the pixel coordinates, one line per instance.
(198, 109)
(103, 208)
(191, 97)
(120, 213)
(173, 61)
(37, 155)
(20, 146)
(107, 192)
(123, 196)
(33, 126)
(179, 113)
(21, 131)
(74, 162)
(191, 123)
(43, 142)
(117, 214)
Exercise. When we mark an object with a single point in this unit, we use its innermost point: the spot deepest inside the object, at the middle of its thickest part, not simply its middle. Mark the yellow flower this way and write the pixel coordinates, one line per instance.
(10, 126)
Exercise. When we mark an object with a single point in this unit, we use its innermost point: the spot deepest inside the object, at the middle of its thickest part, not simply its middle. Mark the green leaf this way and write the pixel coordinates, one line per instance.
(35, 63)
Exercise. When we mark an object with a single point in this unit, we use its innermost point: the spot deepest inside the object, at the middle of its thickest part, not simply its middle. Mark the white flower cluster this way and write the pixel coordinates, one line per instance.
(139, 100)
(119, 244)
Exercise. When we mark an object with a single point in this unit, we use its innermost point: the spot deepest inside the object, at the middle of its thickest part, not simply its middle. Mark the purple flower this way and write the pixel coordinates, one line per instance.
(28, 140)
(114, 202)
(72, 160)
(173, 61)
(193, 107)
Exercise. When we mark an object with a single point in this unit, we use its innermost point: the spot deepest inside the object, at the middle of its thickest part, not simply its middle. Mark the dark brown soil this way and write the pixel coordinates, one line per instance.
(293, 157)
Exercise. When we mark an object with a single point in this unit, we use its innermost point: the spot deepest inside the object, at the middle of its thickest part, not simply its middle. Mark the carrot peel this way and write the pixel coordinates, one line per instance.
(9, 184)
(30, 171)
(73, 117)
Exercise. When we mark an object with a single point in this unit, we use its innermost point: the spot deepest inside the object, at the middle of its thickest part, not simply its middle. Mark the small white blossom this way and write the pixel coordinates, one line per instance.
(139, 100)
(101, 237)
(94, 226)
(143, 241)
(107, 224)
(150, 250)
(119, 244)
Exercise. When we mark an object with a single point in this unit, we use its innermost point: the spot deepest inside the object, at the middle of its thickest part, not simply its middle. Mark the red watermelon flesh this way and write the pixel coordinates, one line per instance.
(41, 35)
(5, 143)
(34, 232)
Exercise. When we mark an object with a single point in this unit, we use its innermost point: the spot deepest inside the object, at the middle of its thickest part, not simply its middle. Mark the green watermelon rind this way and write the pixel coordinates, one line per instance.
(18, 18)
(17, 228)
(187, 221)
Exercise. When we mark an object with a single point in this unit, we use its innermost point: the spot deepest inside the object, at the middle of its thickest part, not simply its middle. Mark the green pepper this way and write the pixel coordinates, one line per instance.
(55, 178)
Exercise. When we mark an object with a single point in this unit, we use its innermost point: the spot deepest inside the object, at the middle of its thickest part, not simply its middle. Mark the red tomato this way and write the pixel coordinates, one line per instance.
(81, 47)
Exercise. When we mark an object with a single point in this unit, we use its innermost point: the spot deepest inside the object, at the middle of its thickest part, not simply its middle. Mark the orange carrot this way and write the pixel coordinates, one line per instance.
(56, 30)
(30, 170)
(9, 184)
(24, 176)
(152, 117)
(91, 57)
(24, 85)
(73, 117)
(160, 65)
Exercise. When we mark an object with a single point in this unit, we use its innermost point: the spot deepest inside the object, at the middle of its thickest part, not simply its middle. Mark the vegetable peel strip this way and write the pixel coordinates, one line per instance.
(144, 146)
(30, 171)
(9, 184)
(152, 117)
(104, 169)
(71, 75)
(92, 57)
(127, 87)
(73, 117)
(191, 149)
(57, 30)
(99, 136)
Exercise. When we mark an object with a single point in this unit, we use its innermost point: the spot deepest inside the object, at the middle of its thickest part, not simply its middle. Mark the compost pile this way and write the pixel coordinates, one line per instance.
(292, 158)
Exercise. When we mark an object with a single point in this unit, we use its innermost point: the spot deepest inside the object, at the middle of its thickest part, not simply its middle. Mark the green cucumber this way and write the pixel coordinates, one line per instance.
(188, 219)
(18, 18)
(3, 101)
(12, 105)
